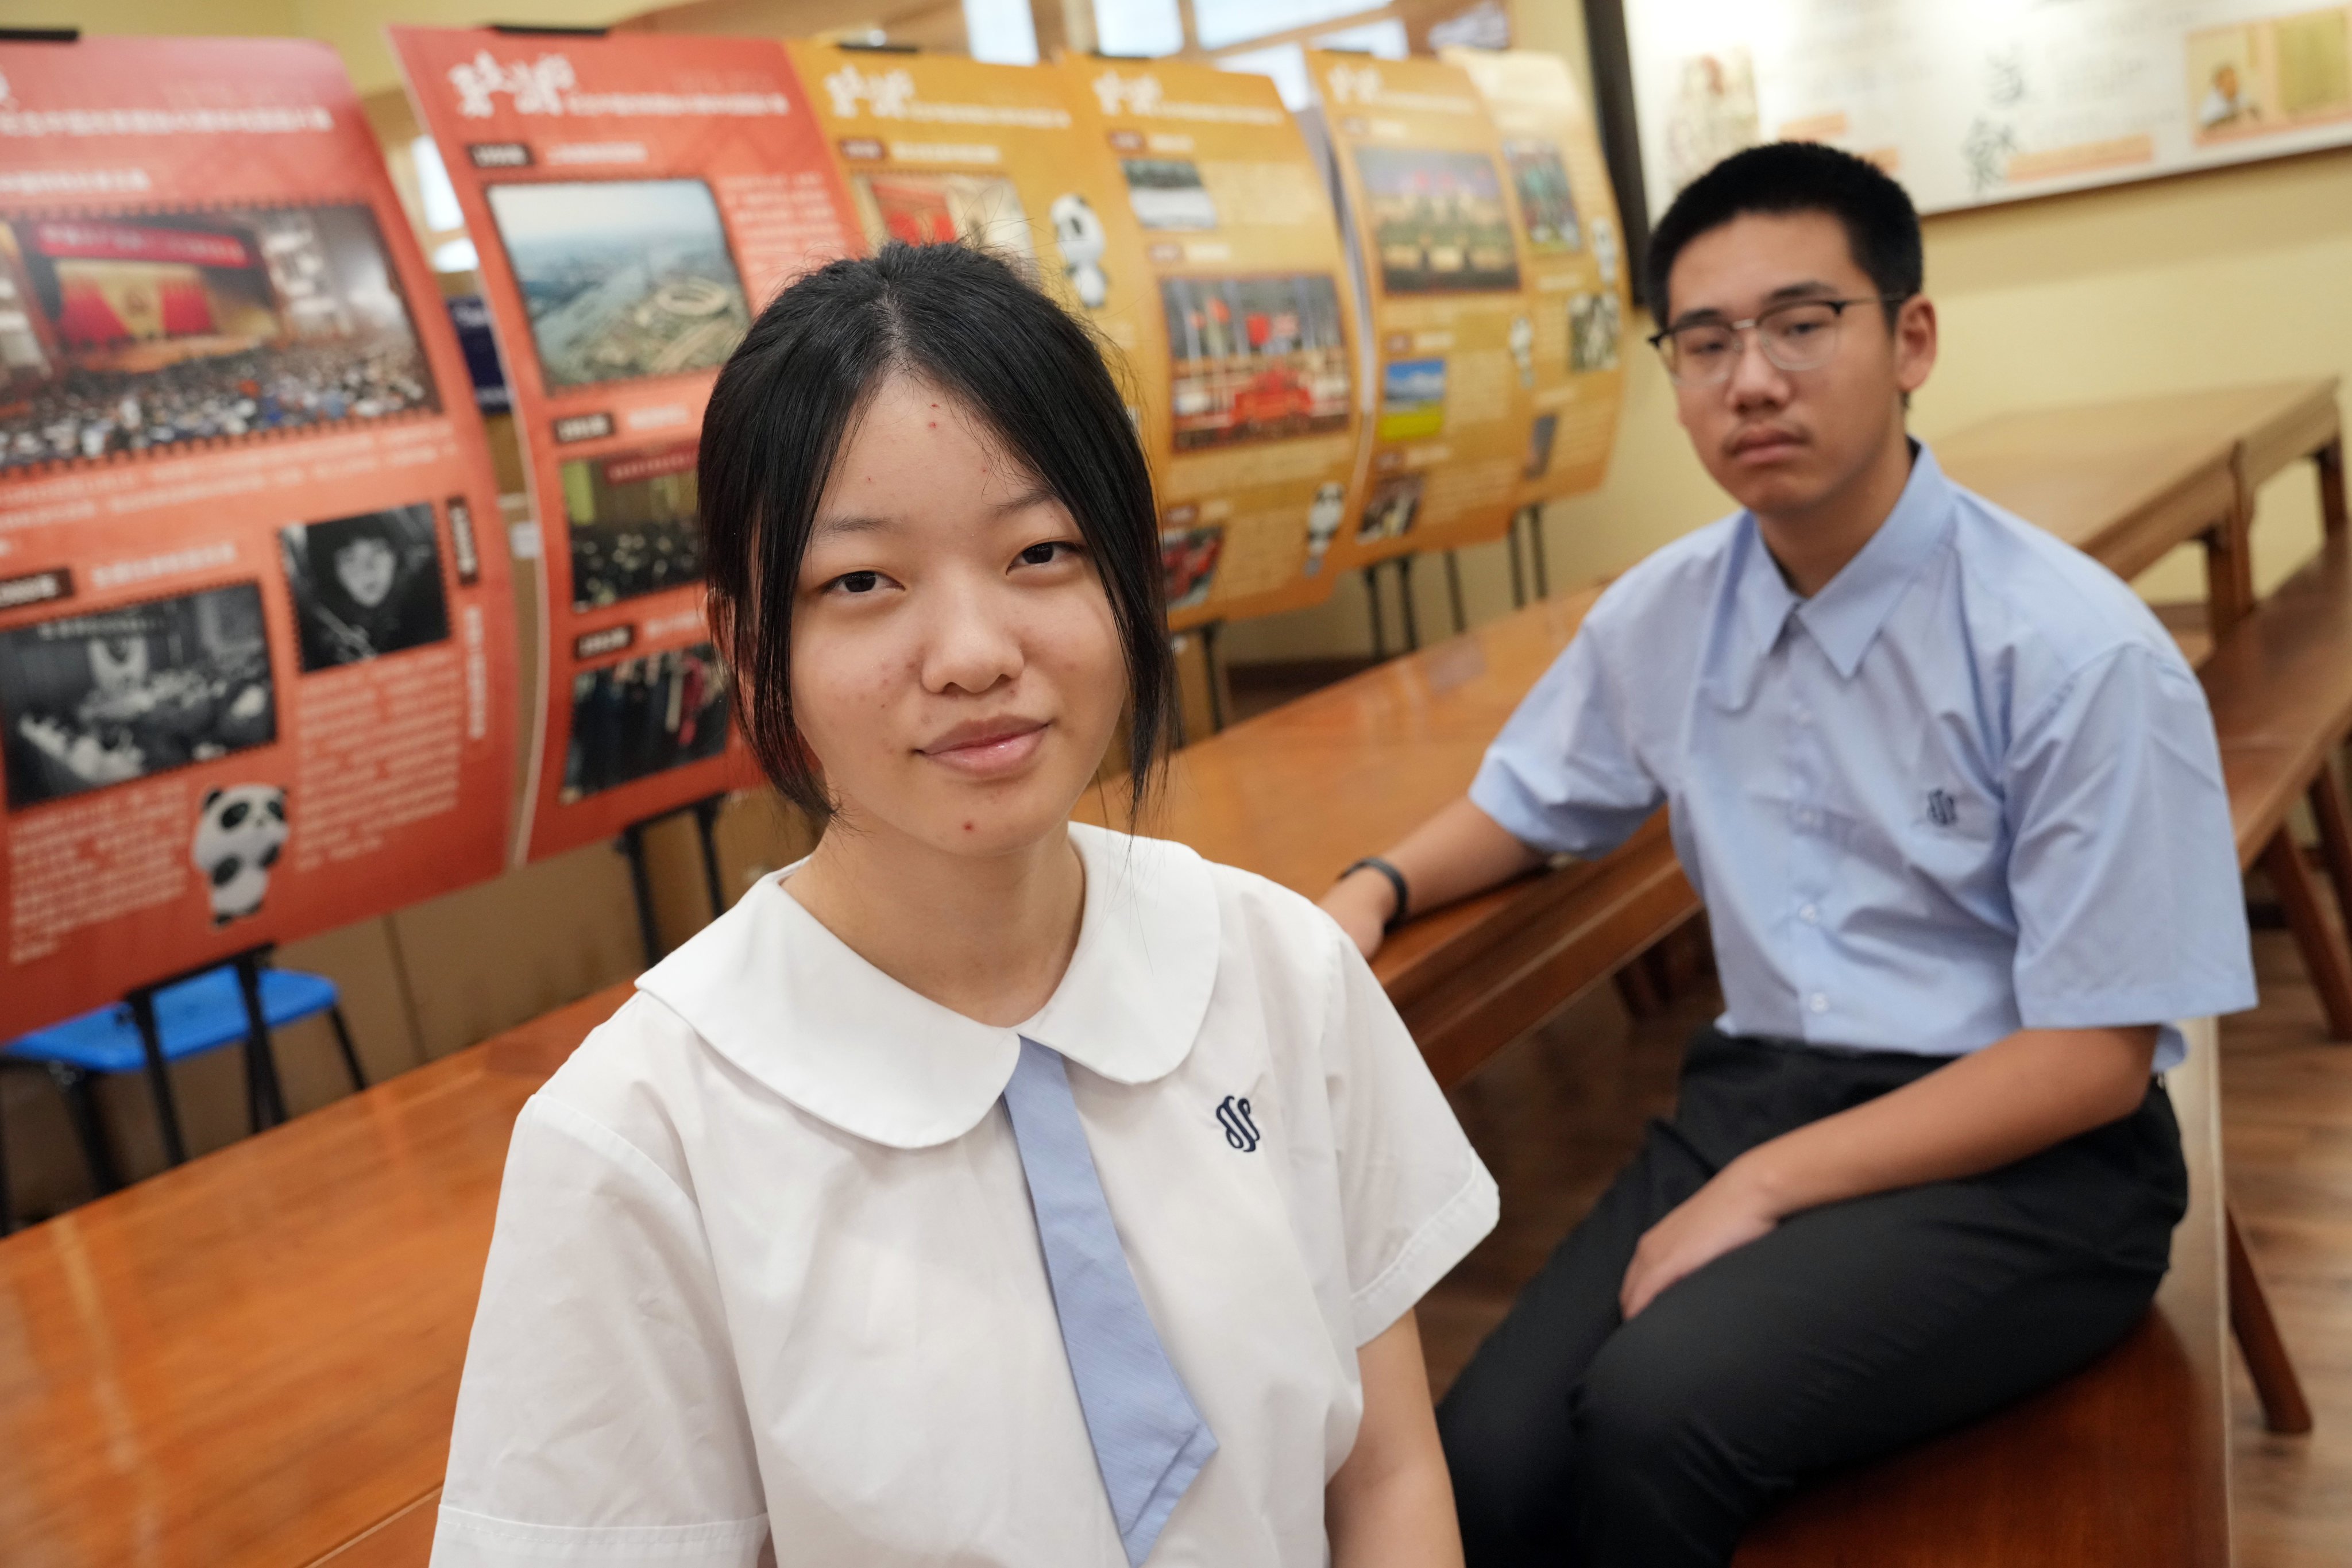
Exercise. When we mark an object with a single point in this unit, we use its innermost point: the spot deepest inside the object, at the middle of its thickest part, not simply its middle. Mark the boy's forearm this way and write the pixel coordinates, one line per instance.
(1458, 852)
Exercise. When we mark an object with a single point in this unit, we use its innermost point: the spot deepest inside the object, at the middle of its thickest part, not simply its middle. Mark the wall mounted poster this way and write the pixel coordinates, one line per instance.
(634, 202)
(937, 147)
(1442, 239)
(255, 637)
(1576, 282)
(1258, 417)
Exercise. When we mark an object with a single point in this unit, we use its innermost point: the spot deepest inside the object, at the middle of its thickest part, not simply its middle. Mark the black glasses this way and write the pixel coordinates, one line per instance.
(1801, 334)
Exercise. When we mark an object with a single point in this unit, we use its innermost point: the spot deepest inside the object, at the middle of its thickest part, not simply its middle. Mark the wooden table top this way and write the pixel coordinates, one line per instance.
(2127, 481)
(253, 1358)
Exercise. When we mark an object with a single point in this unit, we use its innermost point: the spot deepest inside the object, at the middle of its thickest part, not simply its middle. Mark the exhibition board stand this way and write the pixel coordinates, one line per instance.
(632, 200)
(255, 653)
(632, 844)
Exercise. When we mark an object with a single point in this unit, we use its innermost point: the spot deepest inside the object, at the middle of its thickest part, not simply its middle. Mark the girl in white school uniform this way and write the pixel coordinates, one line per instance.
(985, 1189)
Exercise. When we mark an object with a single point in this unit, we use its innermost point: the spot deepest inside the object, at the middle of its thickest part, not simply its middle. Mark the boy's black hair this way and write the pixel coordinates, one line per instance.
(1882, 227)
(1033, 377)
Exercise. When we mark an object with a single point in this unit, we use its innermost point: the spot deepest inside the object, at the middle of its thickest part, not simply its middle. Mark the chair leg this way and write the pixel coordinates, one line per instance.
(2323, 949)
(2284, 1407)
(158, 1078)
(89, 1132)
(343, 1043)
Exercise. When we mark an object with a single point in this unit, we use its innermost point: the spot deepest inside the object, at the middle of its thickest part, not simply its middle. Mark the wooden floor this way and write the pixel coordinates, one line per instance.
(1557, 1113)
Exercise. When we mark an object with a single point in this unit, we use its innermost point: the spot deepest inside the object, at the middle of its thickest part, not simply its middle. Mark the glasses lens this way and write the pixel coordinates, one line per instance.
(1702, 354)
(1800, 336)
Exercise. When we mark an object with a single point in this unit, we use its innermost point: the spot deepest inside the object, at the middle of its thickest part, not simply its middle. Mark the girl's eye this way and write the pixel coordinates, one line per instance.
(859, 581)
(1046, 553)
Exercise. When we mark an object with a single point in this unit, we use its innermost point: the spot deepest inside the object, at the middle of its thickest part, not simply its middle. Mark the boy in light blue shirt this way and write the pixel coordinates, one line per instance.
(1952, 797)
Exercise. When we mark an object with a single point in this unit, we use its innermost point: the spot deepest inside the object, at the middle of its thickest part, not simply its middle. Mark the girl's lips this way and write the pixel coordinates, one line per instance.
(991, 756)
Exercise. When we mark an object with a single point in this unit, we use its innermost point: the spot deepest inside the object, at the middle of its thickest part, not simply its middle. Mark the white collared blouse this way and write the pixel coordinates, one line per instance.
(765, 1266)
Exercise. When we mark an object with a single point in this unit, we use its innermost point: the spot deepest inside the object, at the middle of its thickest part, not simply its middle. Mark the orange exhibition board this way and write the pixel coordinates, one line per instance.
(1568, 226)
(1456, 430)
(1255, 420)
(256, 633)
(937, 147)
(635, 201)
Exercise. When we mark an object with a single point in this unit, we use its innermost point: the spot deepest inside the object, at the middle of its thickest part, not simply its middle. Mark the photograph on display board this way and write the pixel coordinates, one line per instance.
(1412, 400)
(1166, 195)
(365, 586)
(1547, 204)
(633, 525)
(623, 279)
(923, 208)
(1541, 434)
(1439, 220)
(644, 716)
(121, 694)
(1188, 564)
(141, 332)
(1595, 323)
(1391, 508)
(1254, 359)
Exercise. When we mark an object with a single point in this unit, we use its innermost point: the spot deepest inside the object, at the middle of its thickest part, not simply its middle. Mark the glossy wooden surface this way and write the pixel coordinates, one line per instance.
(2128, 481)
(254, 1358)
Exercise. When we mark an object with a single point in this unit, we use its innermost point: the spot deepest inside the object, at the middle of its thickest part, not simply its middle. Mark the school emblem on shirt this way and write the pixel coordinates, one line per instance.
(1234, 1116)
(1942, 809)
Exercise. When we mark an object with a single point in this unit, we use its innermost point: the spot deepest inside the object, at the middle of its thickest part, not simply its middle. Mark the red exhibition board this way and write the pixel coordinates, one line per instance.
(635, 201)
(255, 632)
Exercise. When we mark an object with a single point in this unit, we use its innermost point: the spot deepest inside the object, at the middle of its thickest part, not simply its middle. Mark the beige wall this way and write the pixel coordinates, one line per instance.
(2237, 276)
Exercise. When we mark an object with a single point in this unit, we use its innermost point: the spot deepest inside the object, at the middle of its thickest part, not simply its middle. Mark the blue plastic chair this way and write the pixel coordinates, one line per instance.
(193, 1016)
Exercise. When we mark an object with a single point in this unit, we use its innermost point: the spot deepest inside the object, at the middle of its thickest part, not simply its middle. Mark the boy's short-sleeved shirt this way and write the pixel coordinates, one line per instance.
(765, 1269)
(1969, 786)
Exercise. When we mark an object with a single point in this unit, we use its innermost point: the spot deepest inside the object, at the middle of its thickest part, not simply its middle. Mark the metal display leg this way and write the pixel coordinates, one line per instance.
(158, 1076)
(1372, 597)
(632, 846)
(705, 830)
(1454, 593)
(1404, 597)
(1209, 672)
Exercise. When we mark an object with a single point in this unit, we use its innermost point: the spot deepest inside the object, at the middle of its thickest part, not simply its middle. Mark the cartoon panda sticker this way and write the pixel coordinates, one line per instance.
(1323, 520)
(239, 832)
(1078, 232)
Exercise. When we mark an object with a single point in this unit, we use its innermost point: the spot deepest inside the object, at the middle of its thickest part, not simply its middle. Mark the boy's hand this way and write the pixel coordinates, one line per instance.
(1361, 902)
(1729, 1212)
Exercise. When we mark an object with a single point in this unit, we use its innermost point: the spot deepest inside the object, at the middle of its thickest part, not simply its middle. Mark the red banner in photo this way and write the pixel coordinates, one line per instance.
(256, 633)
(634, 202)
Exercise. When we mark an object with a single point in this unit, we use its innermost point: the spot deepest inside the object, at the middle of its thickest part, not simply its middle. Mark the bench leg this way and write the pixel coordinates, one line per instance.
(2326, 798)
(2284, 1407)
(2322, 951)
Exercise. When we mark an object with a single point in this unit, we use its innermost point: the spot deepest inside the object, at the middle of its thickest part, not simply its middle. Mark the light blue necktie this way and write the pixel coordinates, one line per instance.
(1149, 1439)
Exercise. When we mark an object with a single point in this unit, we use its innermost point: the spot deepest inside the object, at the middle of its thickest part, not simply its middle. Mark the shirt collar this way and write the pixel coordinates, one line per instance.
(788, 1003)
(1846, 616)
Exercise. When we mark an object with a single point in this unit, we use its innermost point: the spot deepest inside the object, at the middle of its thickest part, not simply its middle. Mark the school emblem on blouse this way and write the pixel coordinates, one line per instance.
(1942, 810)
(1234, 1116)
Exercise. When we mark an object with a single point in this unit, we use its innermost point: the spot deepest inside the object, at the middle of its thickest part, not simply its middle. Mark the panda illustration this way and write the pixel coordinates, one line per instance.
(239, 831)
(1078, 231)
(1323, 519)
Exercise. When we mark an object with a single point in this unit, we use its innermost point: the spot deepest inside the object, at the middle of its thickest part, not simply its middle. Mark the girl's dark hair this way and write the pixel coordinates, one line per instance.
(957, 317)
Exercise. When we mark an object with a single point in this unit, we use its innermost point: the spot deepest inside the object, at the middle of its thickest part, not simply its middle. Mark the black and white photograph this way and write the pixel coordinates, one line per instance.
(632, 523)
(644, 716)
(1595, 323)
(623, 277)
(365, 586)
(1167, 193)
(97, 700)
(157, 331)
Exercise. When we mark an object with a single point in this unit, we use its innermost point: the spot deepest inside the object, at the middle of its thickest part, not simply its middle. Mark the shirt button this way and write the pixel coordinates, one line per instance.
(1818, 1002)
(1809, 915)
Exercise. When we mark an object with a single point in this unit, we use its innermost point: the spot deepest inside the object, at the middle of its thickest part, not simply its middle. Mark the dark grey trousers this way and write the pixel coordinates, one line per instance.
(1851, 1330)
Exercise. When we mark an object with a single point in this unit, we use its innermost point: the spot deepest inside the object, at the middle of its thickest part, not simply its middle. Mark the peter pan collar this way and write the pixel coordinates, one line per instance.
(787, 1002)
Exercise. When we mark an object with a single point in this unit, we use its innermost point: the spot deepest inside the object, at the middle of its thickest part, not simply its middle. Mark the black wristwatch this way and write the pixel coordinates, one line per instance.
(1396, 881)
